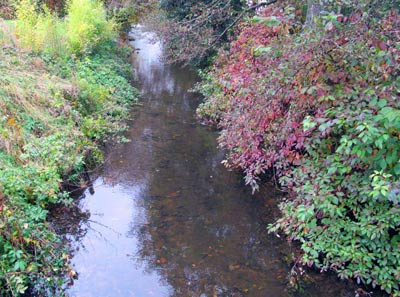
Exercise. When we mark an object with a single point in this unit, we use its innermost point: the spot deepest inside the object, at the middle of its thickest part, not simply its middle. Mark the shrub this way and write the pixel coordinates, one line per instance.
(39, 31)
(25, 230)
(321, 109)
(40, 143)
(87, 26)
(84, 29)
(50, 34)
(106, 93)
(247, 99)
(26, 22)
(345, 211)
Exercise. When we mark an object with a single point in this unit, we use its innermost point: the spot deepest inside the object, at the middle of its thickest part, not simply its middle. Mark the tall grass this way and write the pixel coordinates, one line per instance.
(7, 33)
(87, 25)
(50, 34)
(27, 19)
(84, 28)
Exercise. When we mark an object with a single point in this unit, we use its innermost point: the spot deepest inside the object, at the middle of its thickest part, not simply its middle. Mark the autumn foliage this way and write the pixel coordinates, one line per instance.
(319, 107)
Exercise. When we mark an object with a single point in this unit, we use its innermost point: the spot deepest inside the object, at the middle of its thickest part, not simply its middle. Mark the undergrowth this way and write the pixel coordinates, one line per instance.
(56, 110)
(83, 30)
(320, 108)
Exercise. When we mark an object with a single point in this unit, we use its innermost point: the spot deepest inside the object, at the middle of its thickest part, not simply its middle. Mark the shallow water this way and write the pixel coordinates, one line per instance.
(166, 218)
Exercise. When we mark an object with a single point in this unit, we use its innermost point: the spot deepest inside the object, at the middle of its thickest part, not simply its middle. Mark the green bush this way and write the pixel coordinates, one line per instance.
(39, 31)
(50, 34)
(106, 93)
(346, 210)
(26, 230)
(40, 143)
(84, 29)
(26, 22)
(87, 26)
(321, 109)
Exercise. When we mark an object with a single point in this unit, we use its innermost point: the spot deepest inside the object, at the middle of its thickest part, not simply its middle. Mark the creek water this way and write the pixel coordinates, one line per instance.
(165, 218)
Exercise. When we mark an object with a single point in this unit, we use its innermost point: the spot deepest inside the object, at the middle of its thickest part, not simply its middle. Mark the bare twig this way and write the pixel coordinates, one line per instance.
(239, 17)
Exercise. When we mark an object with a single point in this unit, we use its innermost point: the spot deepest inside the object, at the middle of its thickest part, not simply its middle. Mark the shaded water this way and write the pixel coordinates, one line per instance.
(166, 218)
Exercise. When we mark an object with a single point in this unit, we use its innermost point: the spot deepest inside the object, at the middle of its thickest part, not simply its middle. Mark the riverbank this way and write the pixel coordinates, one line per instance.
(56, 113)
(165, 218)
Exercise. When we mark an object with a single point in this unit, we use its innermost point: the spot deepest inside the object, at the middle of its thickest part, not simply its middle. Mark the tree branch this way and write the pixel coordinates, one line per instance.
(253, 7)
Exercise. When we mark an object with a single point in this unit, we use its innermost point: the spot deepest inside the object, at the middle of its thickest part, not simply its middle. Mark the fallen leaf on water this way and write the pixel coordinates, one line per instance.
(234, 267)
(11, 122)
(173, 194)
(162, 260)
(72, 274)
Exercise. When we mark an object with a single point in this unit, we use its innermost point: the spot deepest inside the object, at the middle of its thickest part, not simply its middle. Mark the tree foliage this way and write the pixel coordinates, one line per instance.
(319, 106)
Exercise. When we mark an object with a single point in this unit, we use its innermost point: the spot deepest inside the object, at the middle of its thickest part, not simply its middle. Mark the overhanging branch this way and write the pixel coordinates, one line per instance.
(253, 7)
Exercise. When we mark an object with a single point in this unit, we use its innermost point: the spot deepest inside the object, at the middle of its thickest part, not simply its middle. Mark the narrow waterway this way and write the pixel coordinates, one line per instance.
(166, 218)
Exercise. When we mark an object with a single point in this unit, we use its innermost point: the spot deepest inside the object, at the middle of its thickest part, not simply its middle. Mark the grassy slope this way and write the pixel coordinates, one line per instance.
(47, 126)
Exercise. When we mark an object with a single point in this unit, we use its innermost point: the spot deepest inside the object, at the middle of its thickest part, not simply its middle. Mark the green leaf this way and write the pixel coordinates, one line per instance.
(396, 169)
(382, 164)
(262, 50)
(382, 103)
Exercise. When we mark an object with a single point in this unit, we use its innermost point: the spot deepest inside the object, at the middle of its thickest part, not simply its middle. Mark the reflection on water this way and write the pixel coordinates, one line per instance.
(103, 257)
(166, 218)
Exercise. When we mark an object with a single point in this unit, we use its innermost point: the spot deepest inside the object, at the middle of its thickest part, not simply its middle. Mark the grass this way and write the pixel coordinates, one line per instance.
(54, 109)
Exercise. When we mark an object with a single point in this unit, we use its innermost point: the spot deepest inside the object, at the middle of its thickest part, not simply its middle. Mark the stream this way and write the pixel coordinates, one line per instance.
(165, 218)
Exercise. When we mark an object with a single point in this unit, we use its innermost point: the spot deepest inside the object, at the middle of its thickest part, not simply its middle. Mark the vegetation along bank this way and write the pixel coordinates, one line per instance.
(65, 90)
(308, 91)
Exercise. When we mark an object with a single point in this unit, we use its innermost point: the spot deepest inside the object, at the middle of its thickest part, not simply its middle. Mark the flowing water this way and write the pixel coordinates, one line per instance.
(165, 218)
